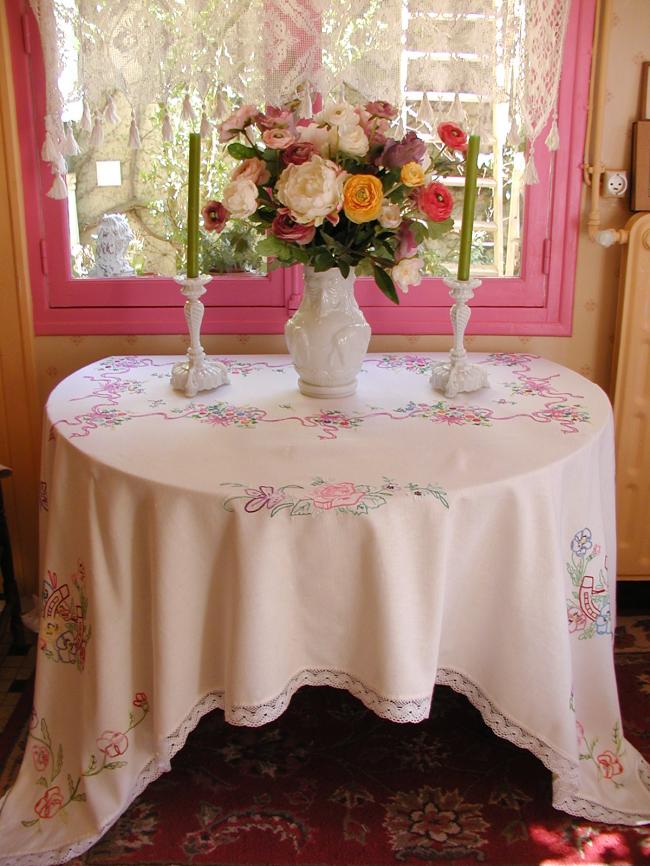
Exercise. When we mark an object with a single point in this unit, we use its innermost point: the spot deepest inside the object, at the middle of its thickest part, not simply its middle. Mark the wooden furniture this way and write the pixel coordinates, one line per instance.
(9, 588)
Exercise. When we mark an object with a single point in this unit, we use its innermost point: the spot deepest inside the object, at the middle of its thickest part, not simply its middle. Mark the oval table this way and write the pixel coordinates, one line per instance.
(226, 550)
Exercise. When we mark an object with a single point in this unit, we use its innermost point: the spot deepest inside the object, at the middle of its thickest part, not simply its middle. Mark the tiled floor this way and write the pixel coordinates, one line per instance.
(16, 667)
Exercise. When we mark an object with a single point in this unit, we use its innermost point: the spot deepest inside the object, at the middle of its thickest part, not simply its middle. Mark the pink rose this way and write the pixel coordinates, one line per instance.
(287, 229)
(215, 216)
(298, 153)
(336, 495)
(41, 757)
(141, 700)
(274, 118)
(113, 743)
(50, 803)
(435, 201)
(453, 136)
(252, 169)
(278, 138)
(237, 121)
(610, 764)
(379, 108)
(407, 243)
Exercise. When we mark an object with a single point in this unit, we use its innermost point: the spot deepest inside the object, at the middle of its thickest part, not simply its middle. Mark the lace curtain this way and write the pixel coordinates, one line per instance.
(436, 59)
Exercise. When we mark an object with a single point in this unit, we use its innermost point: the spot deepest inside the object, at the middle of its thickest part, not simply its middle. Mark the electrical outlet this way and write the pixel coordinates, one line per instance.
(614, 183)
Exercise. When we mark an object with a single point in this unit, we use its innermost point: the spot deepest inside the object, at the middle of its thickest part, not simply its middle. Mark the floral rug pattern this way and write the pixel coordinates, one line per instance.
(331, 783)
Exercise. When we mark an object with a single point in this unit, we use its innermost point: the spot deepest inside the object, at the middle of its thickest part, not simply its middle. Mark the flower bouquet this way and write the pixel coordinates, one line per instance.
(343, 191)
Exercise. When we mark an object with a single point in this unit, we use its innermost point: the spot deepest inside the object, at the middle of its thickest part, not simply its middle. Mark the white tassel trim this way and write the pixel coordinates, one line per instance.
(167, 131)
(206, 127)
(58, 189)
(530, 172)
(110, 112)
(553, 138)
(59, 166)
(188, 113)
(513, 138)
(220, 107)
(306, 107)
(86, 121)
(49, 152)
(97, 135)
(70, 146)
(134, 135)
(456, 112)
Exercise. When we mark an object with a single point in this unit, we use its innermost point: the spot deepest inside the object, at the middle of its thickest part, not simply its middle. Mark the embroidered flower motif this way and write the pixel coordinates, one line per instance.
(141, 700)
(336, 495)
(581, 542)
(577, 619)
(610, 764)
(431, 823)
(262, 497)
(41, 757)
(50, 803)
(113, 743)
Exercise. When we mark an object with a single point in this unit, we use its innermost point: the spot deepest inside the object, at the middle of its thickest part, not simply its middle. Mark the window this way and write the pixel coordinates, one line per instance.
(525, 237)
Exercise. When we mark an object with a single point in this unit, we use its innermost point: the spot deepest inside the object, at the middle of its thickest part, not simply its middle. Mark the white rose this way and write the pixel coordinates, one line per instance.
(353, 140)
(338, 114)
(390, 216)
(317, 135)
(408, 273)
(240, 198)
(312, 190)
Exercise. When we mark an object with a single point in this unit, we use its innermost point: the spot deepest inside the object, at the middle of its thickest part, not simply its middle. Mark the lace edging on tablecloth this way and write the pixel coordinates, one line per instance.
(398, 710)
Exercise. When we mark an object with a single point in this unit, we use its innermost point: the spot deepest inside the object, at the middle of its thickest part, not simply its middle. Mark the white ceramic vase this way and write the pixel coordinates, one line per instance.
(328, 336)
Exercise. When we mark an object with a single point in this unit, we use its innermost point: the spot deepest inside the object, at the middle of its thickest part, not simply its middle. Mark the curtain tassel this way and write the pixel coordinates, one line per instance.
(59, 166)
(86, 121)
(553, 138)
(188, 113)
(110, 112)
(70, 146)
(49, 151)
(167, 131)
(206, 127)
(97, 135)
(220, 108)
(306, 107)
(58, 189)
(513, 138)
(530, 172)
(134, 135)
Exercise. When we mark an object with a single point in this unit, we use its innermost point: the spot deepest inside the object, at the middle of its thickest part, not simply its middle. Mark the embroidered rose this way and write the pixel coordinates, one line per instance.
(287, 229)
(336, 495)
(113, 743)
(141, 700)
(278, 138)
(41, 757)
(363, 197)
(252, 169)
(215, 216)
(240, 198)
(237, 121)
(435, 201)
(453, 136)
(407, 273)
(50, 803)
(311, 191)
(609, 764)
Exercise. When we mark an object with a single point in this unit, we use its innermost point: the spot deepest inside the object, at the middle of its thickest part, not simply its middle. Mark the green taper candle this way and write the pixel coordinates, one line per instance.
(469, 202)
(193, 206)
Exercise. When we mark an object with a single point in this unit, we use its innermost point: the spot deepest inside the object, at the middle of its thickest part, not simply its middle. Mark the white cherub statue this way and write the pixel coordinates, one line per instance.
(113, 239)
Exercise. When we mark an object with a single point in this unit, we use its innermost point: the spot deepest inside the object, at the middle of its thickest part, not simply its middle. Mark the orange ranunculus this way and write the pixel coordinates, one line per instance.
(363, 196)
(412, 174)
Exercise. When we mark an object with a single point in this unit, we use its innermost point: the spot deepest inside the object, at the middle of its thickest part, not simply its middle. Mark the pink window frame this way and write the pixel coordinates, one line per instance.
(538, 302)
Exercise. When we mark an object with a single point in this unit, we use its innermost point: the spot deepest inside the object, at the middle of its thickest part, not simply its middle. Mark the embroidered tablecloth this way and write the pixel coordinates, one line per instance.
(226, 550)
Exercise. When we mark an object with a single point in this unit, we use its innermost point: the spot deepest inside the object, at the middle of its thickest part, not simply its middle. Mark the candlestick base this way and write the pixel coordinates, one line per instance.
(457, 375)
(196, 373)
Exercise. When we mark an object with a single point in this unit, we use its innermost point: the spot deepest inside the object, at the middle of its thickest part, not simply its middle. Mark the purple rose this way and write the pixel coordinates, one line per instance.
(407, 242)
(397, 153)
(287, 229)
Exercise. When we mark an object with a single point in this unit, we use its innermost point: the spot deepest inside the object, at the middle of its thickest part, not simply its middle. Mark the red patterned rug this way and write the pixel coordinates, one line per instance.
(330, 783)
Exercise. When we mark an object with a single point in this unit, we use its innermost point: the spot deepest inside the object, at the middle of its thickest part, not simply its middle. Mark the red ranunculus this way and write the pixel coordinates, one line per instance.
(435, 201)
(298, 153)
(453, 136)
(287, 229)
(50, 803)
(215, 216)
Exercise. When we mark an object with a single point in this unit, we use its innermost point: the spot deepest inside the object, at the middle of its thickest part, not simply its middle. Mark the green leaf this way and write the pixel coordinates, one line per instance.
(302, 506)
(241, 151)
(45, 732)
(58, 763)
(80, 797)
(42, 781)
(364, 268)
(30, 823)
(385, 284)
(71, 785)
(344, 268)
(271, 246)
(115, 765)
(437, 230)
